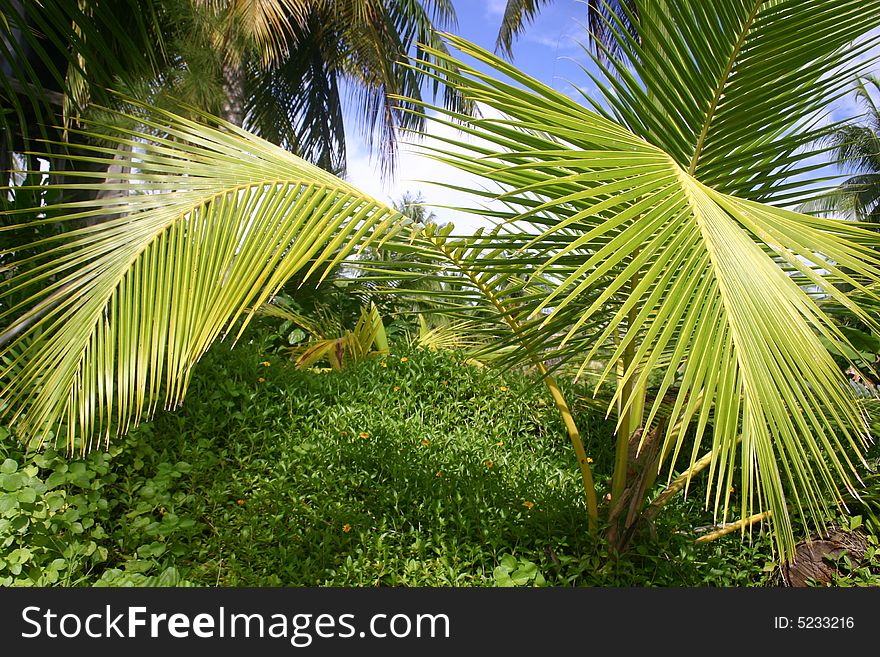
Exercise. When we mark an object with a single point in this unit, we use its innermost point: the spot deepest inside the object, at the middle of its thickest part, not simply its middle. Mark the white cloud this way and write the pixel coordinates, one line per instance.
(570, 41)
(418, 173)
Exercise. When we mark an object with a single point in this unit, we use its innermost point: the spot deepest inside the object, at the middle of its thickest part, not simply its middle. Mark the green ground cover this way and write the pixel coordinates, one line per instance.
(415, 469)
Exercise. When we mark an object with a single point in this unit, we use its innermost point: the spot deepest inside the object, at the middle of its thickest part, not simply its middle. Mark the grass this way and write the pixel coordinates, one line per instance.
(409, 470)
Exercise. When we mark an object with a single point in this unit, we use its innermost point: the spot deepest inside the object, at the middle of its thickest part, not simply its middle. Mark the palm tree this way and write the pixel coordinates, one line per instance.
(856, 146)
(412, 205)
(281, 68)
(659, 218)
(278, 66)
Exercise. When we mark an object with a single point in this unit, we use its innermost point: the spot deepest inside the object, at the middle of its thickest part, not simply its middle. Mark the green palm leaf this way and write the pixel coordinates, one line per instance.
(731, 90)
(209, 223)
(483, 283)
(712, 281)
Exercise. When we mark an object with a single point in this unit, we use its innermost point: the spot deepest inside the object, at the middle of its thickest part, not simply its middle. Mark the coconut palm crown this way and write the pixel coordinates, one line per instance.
(856, 147)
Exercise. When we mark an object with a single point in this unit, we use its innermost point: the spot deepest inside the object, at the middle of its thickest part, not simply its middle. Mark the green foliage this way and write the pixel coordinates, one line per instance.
(372, 475)
(329, 340)
(865, 572)
(517, 572)
(233, 273)
(658, 217)
(867, 507)
(168, 577)
(674, 245)
(52, 518)
(63, 521)
(424, 471)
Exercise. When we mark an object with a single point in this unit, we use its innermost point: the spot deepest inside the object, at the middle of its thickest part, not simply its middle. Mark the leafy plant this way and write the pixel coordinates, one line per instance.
(61, 524)
(167, 578)
(279, 468)
(517, 572)
(659, 202)
(329, 340)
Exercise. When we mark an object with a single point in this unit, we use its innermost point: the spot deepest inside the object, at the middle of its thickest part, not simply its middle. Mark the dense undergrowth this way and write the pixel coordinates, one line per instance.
(414, 469)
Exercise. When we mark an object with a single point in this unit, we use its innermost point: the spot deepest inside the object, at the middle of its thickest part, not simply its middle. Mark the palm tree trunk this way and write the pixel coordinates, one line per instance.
(5, 158)
(233, 91)
(117, 174)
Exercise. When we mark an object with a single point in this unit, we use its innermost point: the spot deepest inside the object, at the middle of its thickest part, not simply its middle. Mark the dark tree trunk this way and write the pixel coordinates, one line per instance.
(625, 515)
(814, 558)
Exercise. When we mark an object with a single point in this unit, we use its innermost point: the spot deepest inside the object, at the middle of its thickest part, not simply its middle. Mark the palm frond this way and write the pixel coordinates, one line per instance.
(350, 346)
(601, 18)
(460, 335)
(487, 286)
(732, 90)
(296, 102)
(517, 14)
(210, 222)
(57, 56)
(320, 324)
(378, 40)
(708, 300)
(268, 23)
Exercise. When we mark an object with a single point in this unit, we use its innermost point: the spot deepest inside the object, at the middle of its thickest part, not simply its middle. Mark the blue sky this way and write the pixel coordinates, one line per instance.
(549, 50)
